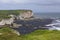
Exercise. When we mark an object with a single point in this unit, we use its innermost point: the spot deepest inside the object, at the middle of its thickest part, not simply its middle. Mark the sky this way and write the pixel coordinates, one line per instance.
(35, 5)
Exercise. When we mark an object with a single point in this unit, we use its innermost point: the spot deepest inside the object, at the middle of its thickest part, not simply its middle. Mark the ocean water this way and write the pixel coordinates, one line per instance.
(47, 15)
(55, 25)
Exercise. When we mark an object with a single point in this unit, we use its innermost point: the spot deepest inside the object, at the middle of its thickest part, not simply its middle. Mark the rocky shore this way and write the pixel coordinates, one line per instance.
(27, 26)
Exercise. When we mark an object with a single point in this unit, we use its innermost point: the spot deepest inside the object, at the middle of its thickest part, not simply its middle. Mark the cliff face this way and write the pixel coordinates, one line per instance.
(26, 15)
(7, 21)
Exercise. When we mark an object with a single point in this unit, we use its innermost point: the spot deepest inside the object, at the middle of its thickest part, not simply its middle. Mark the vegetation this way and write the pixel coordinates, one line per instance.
(5, 13)
(42, 35)
(7, 34)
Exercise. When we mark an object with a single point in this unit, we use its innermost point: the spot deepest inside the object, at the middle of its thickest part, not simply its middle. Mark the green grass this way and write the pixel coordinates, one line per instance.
(36, 35)
(42, 35)
(7, 34)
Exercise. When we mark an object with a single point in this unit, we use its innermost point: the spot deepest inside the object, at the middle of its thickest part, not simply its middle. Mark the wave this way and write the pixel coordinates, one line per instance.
(55, 25)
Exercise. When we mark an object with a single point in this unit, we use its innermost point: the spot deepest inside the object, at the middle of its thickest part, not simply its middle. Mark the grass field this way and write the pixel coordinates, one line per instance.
(7, 34)
(42, 35)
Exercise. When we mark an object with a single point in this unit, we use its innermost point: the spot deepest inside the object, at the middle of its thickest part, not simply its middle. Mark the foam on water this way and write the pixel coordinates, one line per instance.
(55, 25)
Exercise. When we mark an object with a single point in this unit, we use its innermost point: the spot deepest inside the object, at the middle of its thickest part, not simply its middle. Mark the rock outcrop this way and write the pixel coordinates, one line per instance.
(7, 21)
(26, 15)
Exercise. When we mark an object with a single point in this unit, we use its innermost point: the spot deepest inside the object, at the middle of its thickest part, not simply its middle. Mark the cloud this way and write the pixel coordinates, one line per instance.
(31, 1)
(14, 1)
(27, 1)
(4, 1)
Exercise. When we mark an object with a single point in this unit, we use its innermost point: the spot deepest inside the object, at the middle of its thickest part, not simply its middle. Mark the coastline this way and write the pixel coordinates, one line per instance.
(29, 26)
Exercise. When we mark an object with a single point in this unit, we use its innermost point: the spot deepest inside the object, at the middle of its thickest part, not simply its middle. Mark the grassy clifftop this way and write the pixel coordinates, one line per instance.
(15, 12)
(6, 13)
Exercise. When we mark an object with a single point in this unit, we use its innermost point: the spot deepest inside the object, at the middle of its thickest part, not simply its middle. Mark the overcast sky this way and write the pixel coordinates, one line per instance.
(35, 5)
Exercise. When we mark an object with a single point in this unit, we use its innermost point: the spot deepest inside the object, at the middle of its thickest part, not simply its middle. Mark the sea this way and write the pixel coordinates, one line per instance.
(55, 25)
(47, 15)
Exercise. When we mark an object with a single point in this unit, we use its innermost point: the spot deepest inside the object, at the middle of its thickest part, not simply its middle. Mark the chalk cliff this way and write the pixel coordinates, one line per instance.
(7, 21)
(26, 15)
